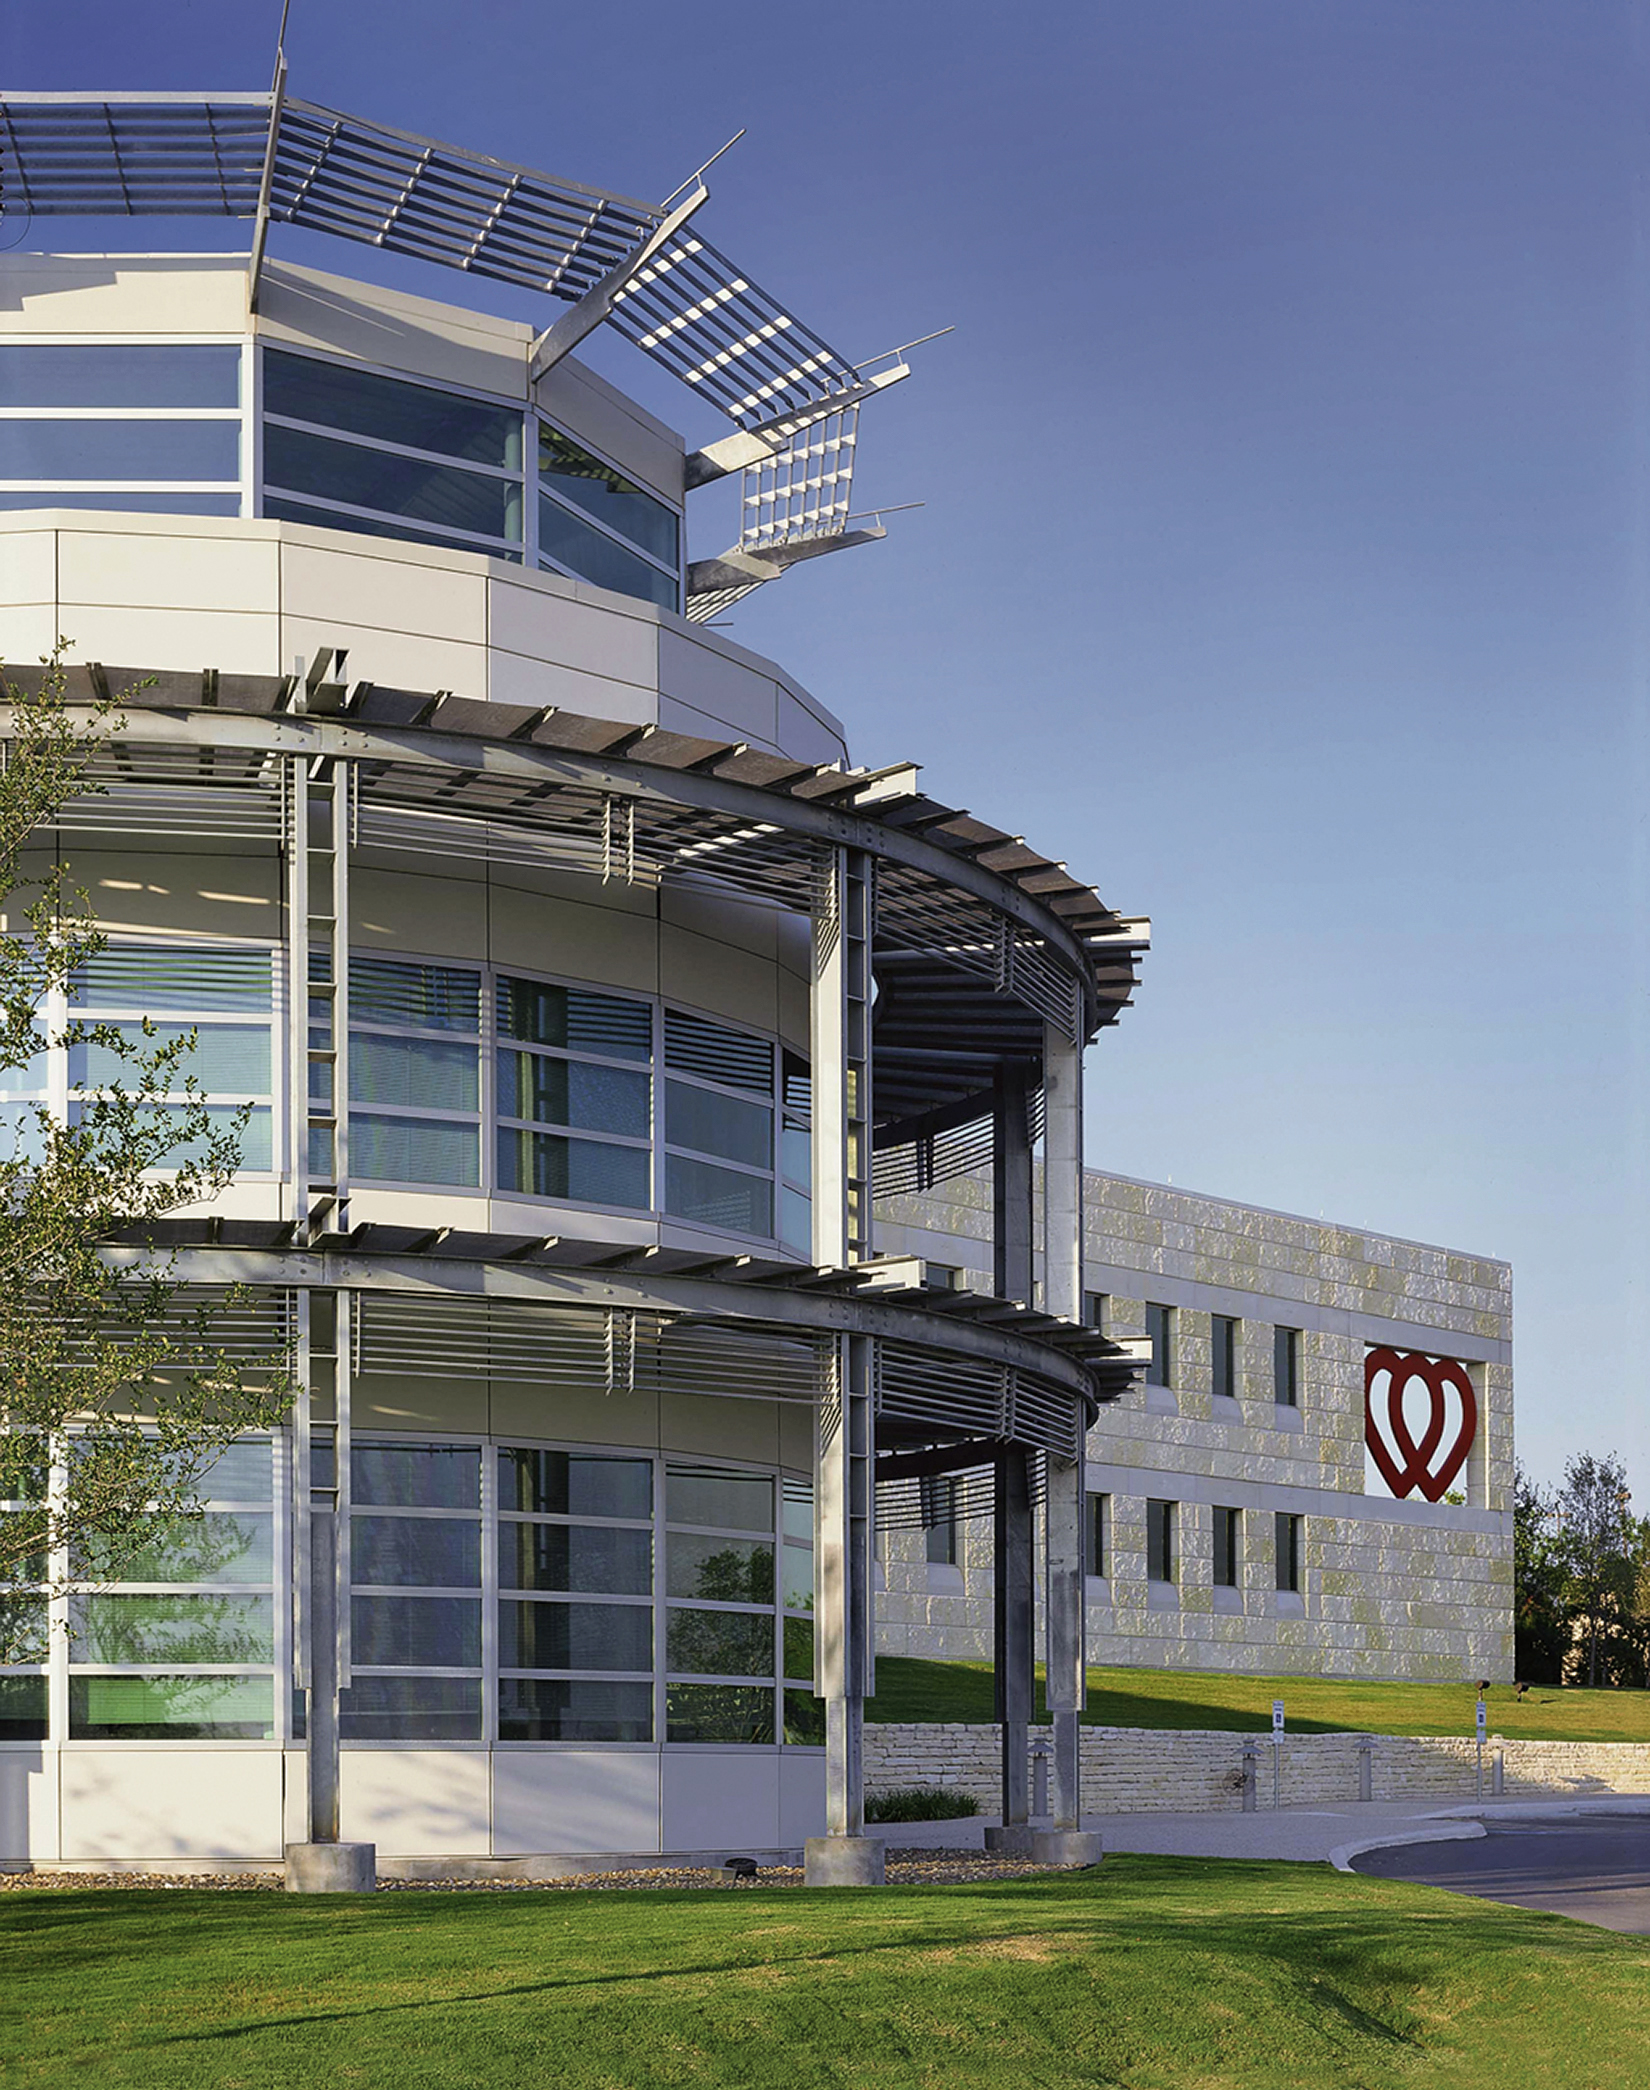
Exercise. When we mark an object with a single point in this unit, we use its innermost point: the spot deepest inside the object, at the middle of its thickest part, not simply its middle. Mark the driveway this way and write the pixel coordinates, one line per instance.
(1594, 1867)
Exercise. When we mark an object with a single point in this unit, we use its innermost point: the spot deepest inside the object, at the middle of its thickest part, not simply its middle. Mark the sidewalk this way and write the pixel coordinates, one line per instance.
(1307, 1835)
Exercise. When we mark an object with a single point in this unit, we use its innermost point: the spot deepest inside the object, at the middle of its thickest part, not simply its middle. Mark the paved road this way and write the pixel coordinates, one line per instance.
(1595, 1868)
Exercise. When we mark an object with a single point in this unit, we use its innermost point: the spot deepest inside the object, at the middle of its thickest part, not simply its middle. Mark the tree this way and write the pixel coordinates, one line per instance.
(1596, 1543)
(116, 1394)
(1541, 1623)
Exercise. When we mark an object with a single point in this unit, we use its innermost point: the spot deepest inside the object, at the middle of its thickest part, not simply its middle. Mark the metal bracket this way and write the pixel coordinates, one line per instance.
(565, 334)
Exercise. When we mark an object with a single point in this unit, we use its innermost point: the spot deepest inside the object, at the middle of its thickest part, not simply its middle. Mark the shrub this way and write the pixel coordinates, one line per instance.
(920, 1803)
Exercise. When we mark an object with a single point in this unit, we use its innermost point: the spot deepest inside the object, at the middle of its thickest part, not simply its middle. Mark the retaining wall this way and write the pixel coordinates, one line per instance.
(1130, 1770)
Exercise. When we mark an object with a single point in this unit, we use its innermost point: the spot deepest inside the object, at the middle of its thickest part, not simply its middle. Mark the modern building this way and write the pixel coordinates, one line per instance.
(599, 1022)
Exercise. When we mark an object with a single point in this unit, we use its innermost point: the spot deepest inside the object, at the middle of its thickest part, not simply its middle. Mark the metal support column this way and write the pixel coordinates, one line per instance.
(1014, 1594)
(845, 1444)
(319, 832)
(1065, 1592)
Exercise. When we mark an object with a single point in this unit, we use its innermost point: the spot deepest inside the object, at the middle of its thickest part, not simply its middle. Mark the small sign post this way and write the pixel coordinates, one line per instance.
(1277, 1753)
(1480, 1727)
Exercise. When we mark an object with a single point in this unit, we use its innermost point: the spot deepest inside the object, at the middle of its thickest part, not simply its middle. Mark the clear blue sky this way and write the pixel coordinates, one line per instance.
(1283, 562)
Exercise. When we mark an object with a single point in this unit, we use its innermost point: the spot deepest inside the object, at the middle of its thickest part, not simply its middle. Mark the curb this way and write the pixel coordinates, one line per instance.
(1445, 1832)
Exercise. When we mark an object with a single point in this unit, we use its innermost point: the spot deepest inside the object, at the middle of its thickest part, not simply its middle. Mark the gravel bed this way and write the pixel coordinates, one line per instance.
(906, 1868)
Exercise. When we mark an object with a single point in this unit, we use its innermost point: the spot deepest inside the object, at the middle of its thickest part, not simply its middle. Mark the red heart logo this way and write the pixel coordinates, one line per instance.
(1417, 1463)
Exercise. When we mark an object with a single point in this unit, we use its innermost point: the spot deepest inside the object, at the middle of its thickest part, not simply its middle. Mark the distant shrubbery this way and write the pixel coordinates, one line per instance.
(920, 1803)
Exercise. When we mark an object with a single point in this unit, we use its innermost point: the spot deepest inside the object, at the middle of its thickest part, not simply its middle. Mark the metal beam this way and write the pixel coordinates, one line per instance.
(260, 219)
(844, 1509)
(598, 301)
(1013, 1640)
(1065, 1506)
(751, 445)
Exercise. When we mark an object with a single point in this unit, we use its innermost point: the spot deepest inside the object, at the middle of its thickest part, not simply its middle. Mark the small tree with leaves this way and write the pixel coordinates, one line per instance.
(1596, 1542)
(1541, 1619)
(116, 1391)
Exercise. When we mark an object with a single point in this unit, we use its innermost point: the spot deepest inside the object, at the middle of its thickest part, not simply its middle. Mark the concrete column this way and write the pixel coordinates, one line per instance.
(1013, 1644)
(1011, 1235)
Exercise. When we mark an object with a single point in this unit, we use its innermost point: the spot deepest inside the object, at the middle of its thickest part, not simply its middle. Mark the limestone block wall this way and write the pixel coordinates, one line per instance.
(1130, 1770)
(1387, 1589)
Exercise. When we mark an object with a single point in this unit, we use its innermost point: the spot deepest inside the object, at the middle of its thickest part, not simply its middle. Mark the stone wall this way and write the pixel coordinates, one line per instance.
(1389, 1590)
(1131, 1770)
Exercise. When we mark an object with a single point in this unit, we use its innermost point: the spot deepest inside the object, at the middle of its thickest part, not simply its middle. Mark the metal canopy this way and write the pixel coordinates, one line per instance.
(203, 155)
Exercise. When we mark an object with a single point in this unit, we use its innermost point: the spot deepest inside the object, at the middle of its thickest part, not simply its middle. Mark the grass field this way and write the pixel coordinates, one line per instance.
(908, 1689)
(1154, 1973)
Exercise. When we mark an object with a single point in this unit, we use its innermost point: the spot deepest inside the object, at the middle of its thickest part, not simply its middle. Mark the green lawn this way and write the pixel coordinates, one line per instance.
(1152, 1973)
(908, 1689)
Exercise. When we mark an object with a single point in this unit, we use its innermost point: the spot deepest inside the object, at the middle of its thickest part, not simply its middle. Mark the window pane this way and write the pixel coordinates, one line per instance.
(411, 1709)
(422, 1552)
(363, 403)
(719, 1643)
(797, 1568)
(216, 1548)
(1160, 1541)
(1159, 1327)
(699, 1190)
(414, 997)
(716, 1124)
(591, 1559)
(708, 1495)
(151, 981)
(575, 1636)
(251, 1131)
(332, 471)
(413, 1150)
(122, 501)
(718, 1713)
(592, 557)
(573, 1709)
(416, 1476)
(127, 374)
(604, 493)
(722, 1570)
(804, 1719)
(23, 1716)
(419, 1073)
(799, 1647)
(171, 1708)
(575, 1019)
(23, 1625)
(172, 1629)
(797, 1511)
(574, 1092)
(98, 450)
(282, 510)
(732, 1057)
(230, 1058)
(243, 1472)
(543, 1164)
(415, 1632)
(570, 1483)
(1286, 1366)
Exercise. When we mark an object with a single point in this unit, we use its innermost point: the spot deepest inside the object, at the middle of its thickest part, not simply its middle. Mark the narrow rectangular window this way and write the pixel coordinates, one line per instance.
(1095, 1306)
(1228, 1543)
(1097, 1533)
(1286, 1367)
(1160, 1542)
(1289, 1551)
(1223, 1333)
(1160, 1330)
(939, 1516)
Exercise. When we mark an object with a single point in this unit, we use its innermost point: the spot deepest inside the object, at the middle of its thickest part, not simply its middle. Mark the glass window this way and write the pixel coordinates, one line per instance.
(579, 1484)
(710, 1495)
(414, 1073)
(390, 410)
(572, 473)
(98, 450)
(719, 1643)
(215, 1547)
(415, 1632)
(546, 1635)
(573, 1709)
(734, 1058)
(425, 1552)
(1289, 1551)
(149, 980)
(1097, 1531)
(171, 1708)
(123, 374)
(718, 1713)
(711, 1196)
(161, 1629)
(575, 1019)
(231, 1058)
(24, 1715)
(280, 509)
(413, 1150)
(590, 1559)
(579, 1093)
(123, 500)
(1095, 1305)
(721, 1570)
(797, 1567)
(411, 1709)
(804, 1719)
(416, 1476)
(330, 470)
(715, 1124)
(939, 1518)
(1223, 1354)
(1286, 1367)
(1160, 1545)
(414, 997)
(1160, 1331)
(590, 556)
(590, 1172)
(1228, 1528)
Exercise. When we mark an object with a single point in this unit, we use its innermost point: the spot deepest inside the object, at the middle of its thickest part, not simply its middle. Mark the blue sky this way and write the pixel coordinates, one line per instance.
(1282, 562)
